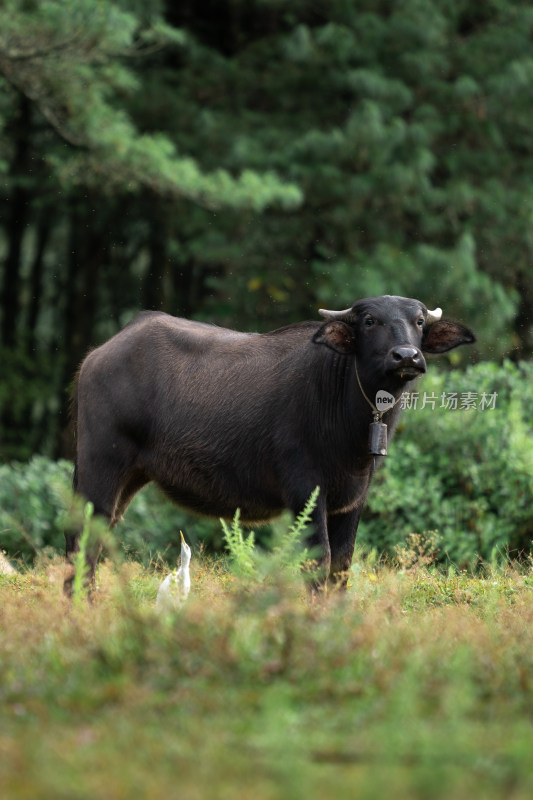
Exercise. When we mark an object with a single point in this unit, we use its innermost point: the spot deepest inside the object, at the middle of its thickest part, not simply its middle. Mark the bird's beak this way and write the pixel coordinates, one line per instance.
(182, 539)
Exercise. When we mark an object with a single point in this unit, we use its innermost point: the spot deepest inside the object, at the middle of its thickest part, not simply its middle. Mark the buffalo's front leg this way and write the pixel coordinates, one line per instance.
(342, 530)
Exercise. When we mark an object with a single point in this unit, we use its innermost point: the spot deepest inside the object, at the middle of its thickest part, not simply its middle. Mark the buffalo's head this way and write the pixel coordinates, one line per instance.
(388, 336)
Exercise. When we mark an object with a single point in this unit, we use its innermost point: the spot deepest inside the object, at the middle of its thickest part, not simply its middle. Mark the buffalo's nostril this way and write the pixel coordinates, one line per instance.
(406, 361)
(404, 354)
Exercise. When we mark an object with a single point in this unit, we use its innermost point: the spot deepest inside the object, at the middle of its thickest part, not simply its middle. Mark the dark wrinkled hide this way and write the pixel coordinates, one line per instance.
(224, 420)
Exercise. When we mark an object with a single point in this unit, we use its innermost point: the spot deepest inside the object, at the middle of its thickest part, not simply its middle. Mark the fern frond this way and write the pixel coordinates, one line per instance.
(304, 517)
(241, 548)
(288, 556)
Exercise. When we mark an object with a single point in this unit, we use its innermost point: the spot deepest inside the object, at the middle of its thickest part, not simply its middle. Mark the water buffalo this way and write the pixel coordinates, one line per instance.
(222, 420)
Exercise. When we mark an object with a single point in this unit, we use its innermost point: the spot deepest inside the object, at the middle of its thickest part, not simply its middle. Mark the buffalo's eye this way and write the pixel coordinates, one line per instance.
(420, 322)
(369, 321)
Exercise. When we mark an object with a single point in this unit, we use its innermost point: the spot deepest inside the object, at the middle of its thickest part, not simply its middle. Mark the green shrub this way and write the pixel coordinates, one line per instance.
(465, 473)
(34, 498)
(31, 506)
(288, 556)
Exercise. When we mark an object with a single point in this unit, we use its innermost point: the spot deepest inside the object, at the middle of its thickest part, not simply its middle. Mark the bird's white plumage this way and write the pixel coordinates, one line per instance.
(176, 586)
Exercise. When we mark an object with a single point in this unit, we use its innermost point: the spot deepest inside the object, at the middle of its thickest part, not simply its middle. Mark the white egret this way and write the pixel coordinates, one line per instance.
(5, 567)
(176, 586)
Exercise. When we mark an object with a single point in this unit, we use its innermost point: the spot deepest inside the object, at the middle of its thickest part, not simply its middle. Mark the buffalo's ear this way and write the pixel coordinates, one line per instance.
(337, 335)
(441, 336)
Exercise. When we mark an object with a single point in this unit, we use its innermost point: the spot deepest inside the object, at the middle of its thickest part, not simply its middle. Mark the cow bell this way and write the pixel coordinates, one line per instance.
(377, 439)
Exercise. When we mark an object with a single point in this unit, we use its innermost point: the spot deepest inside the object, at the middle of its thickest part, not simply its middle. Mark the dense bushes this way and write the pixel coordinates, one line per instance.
(31, 506)
(465, 473)
(34, 499)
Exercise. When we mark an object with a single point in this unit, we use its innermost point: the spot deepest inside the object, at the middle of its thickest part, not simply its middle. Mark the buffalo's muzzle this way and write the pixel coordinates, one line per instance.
(406, 361)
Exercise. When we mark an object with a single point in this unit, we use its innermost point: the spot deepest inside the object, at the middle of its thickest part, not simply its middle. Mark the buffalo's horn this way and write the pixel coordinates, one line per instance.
(334, 314)
(433, 316)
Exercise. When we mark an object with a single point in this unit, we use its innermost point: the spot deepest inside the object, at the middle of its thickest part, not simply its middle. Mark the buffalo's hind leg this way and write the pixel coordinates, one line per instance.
(92, 553)
(72, 546)
(109, 487)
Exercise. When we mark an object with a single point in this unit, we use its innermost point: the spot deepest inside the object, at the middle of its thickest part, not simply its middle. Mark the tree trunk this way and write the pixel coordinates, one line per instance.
(16, 223)
(156, 284)
(523, 324)
(36, 283)
(87, 253)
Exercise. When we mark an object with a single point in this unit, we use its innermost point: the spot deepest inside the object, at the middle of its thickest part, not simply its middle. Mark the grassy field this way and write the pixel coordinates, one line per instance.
(416, 684)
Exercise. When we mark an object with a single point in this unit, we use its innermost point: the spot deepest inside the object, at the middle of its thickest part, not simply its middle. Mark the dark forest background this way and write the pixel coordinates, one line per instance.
(247, 161)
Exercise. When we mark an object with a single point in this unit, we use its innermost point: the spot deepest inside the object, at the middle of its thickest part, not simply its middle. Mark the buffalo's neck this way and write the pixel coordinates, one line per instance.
(349, 414)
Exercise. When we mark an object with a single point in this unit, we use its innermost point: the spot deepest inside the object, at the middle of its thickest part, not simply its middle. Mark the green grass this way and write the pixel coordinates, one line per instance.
(416, 684)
